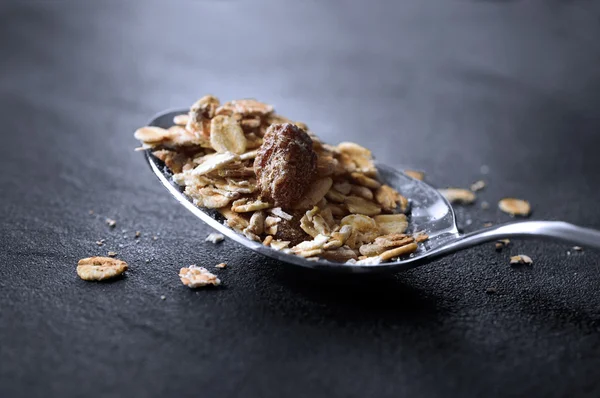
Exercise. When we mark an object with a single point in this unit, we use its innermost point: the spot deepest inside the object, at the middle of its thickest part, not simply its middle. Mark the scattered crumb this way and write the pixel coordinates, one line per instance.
(147, 261)
(577, 248)
(100, 268)
(485, 205)
(501, 244)
(515, 207)
(215, 238)
(417, 175)
(221, 265)
(491, 290)
(112, 254)
(458, 195)
(123, 231)
(521, 259)
(121, 245)
(155, 237)
(163, 297)
(100, 242)
(487, 224)
(111, 223)
(478, 186)
(194, 277)
(138, 234)
(91, 212)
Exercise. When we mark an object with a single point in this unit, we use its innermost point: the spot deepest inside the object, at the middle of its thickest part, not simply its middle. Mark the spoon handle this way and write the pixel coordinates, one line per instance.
(552, 230)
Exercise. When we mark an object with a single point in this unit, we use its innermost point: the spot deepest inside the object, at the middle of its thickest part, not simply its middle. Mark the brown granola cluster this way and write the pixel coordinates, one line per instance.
(275, 182)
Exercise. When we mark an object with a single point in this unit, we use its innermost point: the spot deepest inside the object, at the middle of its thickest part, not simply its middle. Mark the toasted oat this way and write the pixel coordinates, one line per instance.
(477, 185)
(515, 207)
(458, 195)
(221, 265)
(215, 237)
(317, 243)
(392, 223)
(268, 239)
(100, 268)
(200, 114)
(277, 211)
(364, 230)
(365, 181)
(421, 237)
(214, 162)
(417, 175)
(271, 225)
(244, 205)
(361, 191)
(181, 120)
(245, 107)
(399, 251)
(314, 193)
(389, 198)
(257, 225)
(111, 223)
(340, 254)
(152, 135)
(226, 135)
(357, 205)
(194, 277)
(279, 244)
(521, 259)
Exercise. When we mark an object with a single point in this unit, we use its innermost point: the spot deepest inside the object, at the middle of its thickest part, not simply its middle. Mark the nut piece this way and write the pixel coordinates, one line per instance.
(501, 244)
(285, 164)
(100, 268)
(226, 135)
(515, 207)
(520, 259)
(194, 277)
(458, 195)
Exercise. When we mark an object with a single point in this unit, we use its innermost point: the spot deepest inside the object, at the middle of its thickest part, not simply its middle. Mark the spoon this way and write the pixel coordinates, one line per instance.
(430, 213)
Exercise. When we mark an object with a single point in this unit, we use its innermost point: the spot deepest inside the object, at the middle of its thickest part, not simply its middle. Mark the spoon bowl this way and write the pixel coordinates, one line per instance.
(430, 213)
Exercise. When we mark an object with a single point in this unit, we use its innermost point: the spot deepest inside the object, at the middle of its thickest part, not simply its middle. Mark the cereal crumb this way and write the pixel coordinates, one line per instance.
(163, 297)
(100, 268)
(417, 175)
(100, 242)
(147, 261)
(577, 248)
(111, 223)
(138, 234)
(155, 237)
(515, 207)
(194, 277)
(91, 212)
(491, 290)
(521, 259)
(221, 265)
(458, 195)
(215, 238)
(112, 254)
(478, 186)
(501, 244)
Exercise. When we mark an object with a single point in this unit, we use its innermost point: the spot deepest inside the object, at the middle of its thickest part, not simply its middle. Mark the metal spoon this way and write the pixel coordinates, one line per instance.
(430, 213)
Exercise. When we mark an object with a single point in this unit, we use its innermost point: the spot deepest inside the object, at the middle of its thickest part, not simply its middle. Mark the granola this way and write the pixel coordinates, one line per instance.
(275, 182)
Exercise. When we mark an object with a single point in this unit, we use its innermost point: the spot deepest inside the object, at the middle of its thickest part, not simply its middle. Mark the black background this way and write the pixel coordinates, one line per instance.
(442, 86)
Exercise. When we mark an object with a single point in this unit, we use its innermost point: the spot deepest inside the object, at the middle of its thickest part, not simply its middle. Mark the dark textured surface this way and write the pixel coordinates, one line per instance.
(444, 86)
